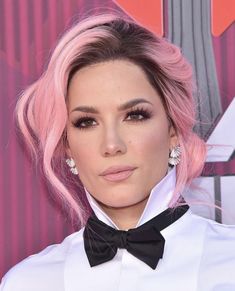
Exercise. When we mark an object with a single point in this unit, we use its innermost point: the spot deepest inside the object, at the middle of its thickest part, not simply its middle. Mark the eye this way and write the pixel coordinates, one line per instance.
(138, 115)
(84, 123)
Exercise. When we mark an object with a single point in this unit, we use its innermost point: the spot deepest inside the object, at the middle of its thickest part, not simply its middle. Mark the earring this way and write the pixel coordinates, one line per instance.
(70, 162)
(174, 157)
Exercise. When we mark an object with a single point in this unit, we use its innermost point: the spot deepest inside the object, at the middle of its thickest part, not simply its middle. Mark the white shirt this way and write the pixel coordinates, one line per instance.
(199, 255)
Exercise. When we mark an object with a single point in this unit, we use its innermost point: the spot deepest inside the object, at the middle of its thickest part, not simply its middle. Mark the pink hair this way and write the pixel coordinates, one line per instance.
(42, 114)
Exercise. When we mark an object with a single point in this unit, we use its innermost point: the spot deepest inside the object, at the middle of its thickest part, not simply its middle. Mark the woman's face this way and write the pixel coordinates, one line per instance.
(117, 123)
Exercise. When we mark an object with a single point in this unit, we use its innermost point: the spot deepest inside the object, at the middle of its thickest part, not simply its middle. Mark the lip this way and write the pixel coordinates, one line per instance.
(116, 169)
(117, 173)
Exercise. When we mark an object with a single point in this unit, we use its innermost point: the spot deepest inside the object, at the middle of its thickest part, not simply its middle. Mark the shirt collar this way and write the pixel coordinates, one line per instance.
(158, 201)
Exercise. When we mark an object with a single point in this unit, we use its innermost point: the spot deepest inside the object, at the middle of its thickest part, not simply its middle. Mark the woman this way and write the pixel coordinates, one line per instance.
(115, 107)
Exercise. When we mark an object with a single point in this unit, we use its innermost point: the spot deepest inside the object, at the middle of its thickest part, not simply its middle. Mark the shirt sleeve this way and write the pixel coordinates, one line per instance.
(2, 285)
(42, 271)
(217, 267)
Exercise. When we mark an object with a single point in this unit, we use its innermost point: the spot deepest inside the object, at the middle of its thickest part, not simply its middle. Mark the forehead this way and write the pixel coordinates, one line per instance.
(113, 81)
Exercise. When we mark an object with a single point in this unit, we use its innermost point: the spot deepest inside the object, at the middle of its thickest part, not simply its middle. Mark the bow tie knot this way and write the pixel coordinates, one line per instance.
(121, 239)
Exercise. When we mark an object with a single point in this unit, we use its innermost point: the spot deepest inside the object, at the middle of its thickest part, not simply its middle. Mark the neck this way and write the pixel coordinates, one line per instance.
(135, 215)
(125, 217)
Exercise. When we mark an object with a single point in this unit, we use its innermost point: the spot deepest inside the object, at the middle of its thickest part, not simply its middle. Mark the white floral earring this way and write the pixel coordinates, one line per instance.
(174, 157)
(70, 162)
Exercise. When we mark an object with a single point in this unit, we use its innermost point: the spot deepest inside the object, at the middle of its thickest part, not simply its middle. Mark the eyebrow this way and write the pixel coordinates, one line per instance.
(122, 107)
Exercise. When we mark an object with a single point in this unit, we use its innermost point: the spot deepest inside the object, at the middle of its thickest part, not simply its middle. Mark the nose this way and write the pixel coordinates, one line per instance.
(112, 143)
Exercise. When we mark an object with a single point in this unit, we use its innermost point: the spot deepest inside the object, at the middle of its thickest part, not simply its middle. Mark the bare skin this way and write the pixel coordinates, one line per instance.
(116, 118)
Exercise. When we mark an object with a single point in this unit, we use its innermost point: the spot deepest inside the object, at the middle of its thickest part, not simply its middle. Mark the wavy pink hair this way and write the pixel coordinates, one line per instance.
(42, 114)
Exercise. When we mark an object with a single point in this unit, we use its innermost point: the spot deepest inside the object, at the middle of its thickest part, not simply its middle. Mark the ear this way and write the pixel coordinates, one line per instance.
(67, 148)
(173, 137)
(68, 152)
(66, 145)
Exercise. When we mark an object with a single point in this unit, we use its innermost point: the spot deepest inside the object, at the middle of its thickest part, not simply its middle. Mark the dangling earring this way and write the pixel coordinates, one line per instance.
(70, 162)
(174, 157)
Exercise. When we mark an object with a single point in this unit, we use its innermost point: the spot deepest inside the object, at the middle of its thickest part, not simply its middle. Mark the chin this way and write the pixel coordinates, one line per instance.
(123, 202)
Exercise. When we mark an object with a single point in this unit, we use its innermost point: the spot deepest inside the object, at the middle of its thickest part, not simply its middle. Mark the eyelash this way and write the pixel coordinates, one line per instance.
(146, 114)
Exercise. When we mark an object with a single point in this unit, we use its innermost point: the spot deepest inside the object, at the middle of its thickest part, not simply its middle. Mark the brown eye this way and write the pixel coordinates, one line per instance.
(138, 115)
(85, 122)
(135, 116)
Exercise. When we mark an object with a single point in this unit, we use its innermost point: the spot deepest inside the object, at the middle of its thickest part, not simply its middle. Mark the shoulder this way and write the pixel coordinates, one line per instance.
(215, 230)
(41, 271)
(217, 259)
(218, 248)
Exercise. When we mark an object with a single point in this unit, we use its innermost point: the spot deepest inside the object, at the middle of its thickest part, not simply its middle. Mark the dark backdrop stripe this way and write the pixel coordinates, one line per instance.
(10, 179)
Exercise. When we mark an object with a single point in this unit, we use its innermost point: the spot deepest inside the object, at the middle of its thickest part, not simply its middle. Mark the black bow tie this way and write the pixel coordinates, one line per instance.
(145, 242)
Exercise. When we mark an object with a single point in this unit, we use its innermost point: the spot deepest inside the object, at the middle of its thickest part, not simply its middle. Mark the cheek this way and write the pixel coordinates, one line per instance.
(152, 143)
(83, 154)
(81, 149)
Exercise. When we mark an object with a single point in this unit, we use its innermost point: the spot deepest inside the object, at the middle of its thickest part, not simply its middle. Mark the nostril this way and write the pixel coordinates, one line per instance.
(113, 146)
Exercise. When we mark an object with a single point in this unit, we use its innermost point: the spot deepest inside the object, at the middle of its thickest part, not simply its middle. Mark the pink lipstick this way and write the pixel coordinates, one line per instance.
(117, 173)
